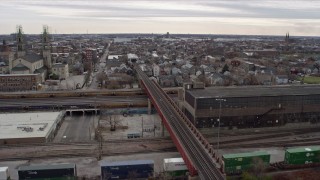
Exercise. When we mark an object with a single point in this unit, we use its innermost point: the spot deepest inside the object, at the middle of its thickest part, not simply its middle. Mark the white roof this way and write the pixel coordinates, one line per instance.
(174, 160)
(3, 169)
(26, 125)
(132, 56)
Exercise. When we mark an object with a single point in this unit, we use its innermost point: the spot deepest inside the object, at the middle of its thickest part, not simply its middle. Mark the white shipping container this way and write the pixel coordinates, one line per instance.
(4, 173)
(174, 164)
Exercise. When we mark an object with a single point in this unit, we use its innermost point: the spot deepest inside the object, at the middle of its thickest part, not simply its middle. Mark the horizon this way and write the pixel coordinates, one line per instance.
(232, 17)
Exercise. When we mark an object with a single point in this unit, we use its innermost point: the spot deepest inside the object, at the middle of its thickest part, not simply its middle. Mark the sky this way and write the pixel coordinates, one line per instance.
(244, 17)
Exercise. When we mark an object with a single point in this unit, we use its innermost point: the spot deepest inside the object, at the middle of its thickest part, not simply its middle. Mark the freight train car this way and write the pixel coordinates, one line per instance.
(48, 172)
(302, 155)
(175, 167)
(137, 169)
(4, 173)
(237, 163)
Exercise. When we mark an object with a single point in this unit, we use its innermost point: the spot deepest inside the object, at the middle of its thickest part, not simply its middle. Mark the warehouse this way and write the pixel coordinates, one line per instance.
(29, 127)
(254, 106)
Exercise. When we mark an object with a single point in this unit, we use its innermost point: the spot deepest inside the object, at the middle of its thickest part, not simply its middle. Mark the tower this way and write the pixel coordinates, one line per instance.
(46, 52)
(287, 39)
(20, 42)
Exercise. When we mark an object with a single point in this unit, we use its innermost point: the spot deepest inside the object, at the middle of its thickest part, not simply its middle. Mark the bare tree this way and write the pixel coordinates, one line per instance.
(101, 76)
(258, 167)
(114, 121)
(113, 84)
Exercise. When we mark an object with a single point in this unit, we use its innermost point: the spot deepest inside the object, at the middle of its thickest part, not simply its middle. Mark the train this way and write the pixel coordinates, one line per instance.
(294, 158)
(175, 168)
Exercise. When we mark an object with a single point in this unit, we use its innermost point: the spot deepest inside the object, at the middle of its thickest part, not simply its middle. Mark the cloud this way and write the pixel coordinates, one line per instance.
(277, 14)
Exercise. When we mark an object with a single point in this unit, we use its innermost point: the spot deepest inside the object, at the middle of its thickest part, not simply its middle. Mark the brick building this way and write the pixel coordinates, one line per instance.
(19, 82)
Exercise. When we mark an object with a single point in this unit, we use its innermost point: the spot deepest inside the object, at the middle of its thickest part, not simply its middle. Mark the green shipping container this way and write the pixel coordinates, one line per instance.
(240, 159)
(302, 155)
(239, 169)
(177, 173)
(304, 161)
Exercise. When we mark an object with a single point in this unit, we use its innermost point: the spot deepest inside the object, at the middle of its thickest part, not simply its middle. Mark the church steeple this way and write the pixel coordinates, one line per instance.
(45, 38)
(287, 39)
(46, 53)
(20, 42)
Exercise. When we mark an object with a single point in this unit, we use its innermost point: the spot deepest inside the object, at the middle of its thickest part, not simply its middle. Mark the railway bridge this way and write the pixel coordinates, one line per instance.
(198, 154)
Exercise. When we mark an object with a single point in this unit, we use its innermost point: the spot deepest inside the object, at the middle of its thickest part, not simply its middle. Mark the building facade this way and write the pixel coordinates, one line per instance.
(254, 106)
(62, 70)
(19, 82)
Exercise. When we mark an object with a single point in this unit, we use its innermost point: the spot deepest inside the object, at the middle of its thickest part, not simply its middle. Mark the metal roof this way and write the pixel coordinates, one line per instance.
(249, 91)
(303, 149)
(248, 154)
(124, 163)
(46, 166)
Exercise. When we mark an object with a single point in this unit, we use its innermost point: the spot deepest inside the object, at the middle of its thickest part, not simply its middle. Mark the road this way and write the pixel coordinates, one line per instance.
(101, 67)
(77, 128)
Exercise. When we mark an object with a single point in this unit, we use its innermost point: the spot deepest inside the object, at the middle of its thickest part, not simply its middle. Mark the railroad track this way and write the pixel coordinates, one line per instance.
(201, 159)
(61, 150)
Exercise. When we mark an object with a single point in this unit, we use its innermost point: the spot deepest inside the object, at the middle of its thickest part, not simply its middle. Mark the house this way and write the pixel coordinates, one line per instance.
(282, 79)
(155, 70)
(60, 69)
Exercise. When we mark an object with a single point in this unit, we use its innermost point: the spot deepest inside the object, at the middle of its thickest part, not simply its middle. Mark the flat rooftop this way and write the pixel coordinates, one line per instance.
(250, 91)
(26, 125)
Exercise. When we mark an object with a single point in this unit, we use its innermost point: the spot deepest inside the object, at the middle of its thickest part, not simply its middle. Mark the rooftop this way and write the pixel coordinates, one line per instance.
(303, 149)
(26, 125)
(124, 163)
(45, 166)
(174, 160)
(245, 91)
(250, 154)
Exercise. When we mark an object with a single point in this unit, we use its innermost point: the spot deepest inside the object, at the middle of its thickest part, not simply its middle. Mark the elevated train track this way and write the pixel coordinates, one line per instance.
(193, 147)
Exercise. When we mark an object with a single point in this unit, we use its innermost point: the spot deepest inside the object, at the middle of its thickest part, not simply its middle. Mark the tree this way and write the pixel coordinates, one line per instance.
(114, 121)
(113, 84)
(258, 167)
(316, 65)
(101, 76)
(225, 68)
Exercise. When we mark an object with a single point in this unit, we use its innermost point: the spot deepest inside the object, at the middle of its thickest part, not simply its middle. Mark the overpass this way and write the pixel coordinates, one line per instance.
(195, 150)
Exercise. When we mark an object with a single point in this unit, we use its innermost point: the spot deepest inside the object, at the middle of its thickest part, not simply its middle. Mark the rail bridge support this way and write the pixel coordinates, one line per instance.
(149, 106)
(193, 177)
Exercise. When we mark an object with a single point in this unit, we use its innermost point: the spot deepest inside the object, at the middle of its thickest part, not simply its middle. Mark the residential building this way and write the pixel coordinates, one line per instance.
(19, 82)
(60, 69)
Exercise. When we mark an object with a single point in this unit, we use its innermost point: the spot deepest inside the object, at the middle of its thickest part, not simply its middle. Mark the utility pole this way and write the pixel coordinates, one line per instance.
(220, 101)
(142, 125)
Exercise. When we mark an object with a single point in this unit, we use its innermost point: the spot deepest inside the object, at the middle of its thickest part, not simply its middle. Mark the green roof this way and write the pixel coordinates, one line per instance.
(303, 149)
(250, 154)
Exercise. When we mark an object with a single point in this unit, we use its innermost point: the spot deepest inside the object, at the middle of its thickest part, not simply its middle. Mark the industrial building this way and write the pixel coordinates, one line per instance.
(252, 106)
(37, 127)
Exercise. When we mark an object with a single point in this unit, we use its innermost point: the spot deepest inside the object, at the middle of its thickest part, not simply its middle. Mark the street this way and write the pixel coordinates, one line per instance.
(77, 128)
(100, 67)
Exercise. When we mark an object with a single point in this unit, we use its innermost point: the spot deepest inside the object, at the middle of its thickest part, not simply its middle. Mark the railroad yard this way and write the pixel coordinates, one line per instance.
(77, 144)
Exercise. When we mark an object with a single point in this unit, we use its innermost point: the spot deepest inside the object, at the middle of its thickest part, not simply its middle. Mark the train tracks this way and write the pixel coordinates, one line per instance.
(186, 138)
(146, 145)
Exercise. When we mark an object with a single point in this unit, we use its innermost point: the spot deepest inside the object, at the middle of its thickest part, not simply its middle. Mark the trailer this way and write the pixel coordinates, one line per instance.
(136, 169)
(175, 167)
(4, 173)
